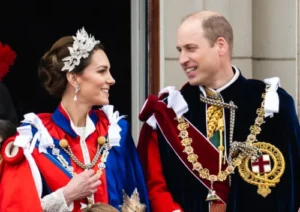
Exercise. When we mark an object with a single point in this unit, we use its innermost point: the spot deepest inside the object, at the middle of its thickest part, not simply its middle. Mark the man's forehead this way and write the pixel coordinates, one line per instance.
(193, 27)
(191, 23)
(189, 35)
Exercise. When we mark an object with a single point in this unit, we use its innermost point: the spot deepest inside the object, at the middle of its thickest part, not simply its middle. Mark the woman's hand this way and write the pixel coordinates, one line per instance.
(81, 186)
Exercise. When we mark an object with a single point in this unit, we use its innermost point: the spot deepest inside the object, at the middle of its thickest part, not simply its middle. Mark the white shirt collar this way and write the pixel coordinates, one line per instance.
(217, 91)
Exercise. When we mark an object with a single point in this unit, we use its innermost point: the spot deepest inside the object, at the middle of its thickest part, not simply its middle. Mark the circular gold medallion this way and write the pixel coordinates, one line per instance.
(266, 171)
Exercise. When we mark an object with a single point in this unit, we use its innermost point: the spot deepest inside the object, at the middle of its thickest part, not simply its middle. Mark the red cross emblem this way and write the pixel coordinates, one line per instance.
(262, 165)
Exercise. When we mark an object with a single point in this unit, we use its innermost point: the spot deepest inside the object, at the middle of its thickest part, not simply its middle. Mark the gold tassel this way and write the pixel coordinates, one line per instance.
(221, 146)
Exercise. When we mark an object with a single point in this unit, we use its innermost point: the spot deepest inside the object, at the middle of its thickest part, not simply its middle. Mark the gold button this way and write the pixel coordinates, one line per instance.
(63, 143)
(101, 140)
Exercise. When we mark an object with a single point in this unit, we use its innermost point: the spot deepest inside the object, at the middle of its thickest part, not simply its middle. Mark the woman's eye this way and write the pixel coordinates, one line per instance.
(102, 70)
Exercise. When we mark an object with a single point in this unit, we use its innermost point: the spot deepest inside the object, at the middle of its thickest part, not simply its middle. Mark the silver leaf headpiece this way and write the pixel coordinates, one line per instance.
(82, 45)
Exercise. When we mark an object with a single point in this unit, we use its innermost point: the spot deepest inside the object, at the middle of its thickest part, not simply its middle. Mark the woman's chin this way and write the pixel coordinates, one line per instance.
(106, 102)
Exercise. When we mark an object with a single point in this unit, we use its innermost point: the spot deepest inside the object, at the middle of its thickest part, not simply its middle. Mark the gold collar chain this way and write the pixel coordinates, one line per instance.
(247, 149)
(204, 173)
(68, 150)
(233, 162)
(193, 158)
(105, 148)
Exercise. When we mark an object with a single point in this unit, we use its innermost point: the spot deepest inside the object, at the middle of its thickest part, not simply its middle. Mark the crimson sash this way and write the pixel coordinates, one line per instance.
(208, 155)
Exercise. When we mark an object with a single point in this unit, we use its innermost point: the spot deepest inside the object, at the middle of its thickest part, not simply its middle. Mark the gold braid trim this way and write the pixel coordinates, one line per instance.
(214, 113)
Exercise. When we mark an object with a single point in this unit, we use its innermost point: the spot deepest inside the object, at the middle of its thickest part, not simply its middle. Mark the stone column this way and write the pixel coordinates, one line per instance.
(274, 42)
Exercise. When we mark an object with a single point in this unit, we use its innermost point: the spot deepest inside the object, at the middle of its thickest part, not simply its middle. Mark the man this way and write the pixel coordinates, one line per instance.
(223, 143)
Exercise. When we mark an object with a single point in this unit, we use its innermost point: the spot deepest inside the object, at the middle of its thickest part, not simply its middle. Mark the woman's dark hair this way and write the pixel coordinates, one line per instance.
(50, 73)
(7, 129)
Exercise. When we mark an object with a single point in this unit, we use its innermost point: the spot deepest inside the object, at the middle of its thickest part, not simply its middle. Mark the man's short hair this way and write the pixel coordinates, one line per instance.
(216, 26)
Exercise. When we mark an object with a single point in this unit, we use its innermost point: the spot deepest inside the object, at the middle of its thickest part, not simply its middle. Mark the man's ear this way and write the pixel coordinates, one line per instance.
(72, 78)
(222, 46)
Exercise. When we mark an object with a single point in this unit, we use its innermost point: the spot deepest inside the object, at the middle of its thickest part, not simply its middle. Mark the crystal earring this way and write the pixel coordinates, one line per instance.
(76, 91)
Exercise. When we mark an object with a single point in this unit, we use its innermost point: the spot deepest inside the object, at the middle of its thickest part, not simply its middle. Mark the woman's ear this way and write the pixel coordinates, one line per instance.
(72, 79)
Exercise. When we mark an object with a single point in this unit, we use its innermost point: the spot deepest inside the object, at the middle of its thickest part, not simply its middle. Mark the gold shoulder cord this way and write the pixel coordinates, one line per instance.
(267, 169)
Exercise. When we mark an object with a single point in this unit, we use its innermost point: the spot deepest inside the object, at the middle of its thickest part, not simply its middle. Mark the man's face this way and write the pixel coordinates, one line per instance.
(198, 58)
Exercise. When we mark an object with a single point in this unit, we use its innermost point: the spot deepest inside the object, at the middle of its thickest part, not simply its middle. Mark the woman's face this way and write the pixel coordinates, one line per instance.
(95, 80)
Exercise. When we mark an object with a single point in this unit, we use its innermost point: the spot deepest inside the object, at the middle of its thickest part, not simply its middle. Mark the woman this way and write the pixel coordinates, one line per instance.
(75, 157)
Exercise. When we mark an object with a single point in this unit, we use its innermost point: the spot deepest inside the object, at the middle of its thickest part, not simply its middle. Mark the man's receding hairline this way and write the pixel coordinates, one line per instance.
(201, 16)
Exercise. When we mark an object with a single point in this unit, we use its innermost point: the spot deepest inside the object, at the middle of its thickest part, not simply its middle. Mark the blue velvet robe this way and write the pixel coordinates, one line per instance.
(282, 130)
